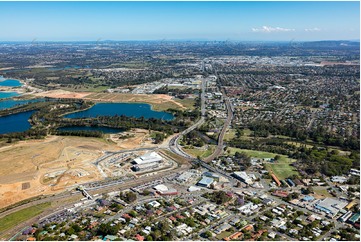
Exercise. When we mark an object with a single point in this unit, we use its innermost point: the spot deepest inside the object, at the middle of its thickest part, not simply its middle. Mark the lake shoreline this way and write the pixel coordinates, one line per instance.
(125, 111)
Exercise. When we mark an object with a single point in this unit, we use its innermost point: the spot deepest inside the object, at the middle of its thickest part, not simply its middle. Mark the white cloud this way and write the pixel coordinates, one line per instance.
(268, 29)
(313, 30)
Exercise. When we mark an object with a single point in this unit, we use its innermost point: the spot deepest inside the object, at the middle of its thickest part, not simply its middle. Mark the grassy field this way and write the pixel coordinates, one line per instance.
(281, 170)
(247, 134)
(322, 192)
(260, 154)
(175, 157)
(230, 134)
(20, 216)
(203, 153)
(223, 234)
(188, 102)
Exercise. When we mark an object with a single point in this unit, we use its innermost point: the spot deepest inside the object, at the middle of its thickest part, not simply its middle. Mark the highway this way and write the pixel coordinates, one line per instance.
(219, 149)
(174, 142)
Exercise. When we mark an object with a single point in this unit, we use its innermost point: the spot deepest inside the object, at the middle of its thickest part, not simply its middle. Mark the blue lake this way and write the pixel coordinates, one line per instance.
(12, 103)
(15, 122)
(8, 94)
(105, 130)
(10, 83)
(128, 109)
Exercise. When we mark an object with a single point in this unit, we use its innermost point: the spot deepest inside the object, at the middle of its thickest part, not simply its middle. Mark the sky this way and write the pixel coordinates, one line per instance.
(243, 21)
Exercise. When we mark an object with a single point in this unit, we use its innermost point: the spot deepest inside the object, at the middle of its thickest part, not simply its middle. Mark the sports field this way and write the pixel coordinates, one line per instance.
(260, 154)
(281, 168)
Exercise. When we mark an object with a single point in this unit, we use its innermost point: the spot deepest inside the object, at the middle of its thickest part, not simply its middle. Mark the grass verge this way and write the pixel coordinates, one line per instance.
(18, 217)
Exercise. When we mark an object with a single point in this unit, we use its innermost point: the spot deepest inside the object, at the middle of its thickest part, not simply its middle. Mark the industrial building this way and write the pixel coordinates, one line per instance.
(148, 158)
(146, 166)
(290, 182)
(339, 179)
(184, 177)
(355, 172)
(241, 175)
(205, 182)
(211, 175)
(275, 178)
(164, 190)
(346, 216)
(330, 206)
(354, 218)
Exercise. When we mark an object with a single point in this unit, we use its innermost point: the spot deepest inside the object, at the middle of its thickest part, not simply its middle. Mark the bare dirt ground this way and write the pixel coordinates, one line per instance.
(62, 94)
(138, 138)
(158, 101)
(31, 168)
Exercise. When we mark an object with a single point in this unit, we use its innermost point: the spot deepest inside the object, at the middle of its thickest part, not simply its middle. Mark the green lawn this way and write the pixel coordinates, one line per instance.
(230, 134)
(259, 154)
(13, 219)
(223, 234)
(322, 192)
(187, 102)
(281, 170)
(203, 153)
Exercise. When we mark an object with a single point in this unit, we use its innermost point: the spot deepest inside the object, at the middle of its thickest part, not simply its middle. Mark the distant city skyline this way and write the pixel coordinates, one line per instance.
(238, 21)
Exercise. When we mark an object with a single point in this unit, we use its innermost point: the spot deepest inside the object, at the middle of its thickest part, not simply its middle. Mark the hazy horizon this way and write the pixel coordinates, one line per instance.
(203, 21)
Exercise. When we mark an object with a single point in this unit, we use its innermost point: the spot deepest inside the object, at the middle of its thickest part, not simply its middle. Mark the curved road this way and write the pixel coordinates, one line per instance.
(219, 150)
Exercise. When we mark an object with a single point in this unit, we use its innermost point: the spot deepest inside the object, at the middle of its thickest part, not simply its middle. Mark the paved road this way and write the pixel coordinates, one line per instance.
(219, 149)
(174, 142)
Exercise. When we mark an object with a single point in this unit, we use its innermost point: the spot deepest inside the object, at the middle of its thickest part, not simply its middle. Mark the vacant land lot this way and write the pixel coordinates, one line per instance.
(322, 192)
(230, 134)
(31, 168)
(201, 152)
(13, 219)
(187, 102)
(159, 102)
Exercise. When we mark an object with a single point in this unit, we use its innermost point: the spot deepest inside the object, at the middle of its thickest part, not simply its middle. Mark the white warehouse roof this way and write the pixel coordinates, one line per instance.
(161, 188)
(148, 158)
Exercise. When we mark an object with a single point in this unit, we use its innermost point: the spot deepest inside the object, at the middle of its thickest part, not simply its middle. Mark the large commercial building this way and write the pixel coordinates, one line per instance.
(330, 206)
(148, 158)
(205, 182)
(164, 190)
(275, 178)
(184, 177)
(241, 175)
